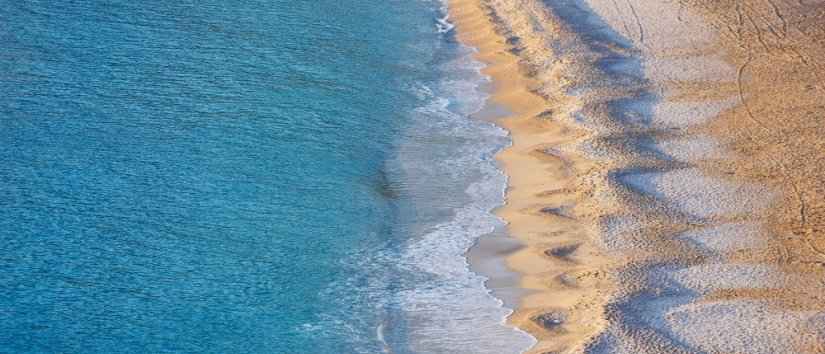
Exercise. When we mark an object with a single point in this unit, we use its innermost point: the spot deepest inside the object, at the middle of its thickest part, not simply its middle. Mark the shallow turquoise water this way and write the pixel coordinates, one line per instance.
(240, 176)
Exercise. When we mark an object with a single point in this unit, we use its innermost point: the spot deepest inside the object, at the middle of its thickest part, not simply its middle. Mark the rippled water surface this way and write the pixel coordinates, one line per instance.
(243, 176)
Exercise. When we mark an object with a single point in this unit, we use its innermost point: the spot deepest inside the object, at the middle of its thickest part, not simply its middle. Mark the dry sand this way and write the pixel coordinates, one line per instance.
(666, 173)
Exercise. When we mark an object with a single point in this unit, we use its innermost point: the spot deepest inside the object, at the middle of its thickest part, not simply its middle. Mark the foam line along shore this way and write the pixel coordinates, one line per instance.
(261, 177)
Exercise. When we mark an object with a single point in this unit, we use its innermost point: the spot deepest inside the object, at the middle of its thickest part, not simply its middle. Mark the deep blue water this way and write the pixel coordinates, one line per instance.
(232, 176)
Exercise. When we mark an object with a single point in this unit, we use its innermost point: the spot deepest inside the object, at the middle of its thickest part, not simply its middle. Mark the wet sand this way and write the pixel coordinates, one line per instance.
(666, 170)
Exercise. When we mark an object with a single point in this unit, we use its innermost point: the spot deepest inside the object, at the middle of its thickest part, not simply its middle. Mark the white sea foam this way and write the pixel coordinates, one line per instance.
(426, 297)
(443, 24)
(448, 164)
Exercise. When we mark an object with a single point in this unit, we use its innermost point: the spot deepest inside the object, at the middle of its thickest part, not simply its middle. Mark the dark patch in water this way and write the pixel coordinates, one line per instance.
(385, 187)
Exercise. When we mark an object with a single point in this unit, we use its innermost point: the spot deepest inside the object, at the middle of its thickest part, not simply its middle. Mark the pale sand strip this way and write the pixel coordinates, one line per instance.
(640, 237)
(549, 184)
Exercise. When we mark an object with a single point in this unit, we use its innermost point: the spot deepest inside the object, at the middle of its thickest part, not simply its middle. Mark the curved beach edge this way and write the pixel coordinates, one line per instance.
(663, 170)
(563, 270)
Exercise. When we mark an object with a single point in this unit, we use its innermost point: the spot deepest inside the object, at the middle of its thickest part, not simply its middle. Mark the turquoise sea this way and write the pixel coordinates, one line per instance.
(257, 176)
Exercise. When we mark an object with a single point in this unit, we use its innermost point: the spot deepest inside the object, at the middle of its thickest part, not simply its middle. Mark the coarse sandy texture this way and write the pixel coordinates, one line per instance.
(550, 184)
(666, 170)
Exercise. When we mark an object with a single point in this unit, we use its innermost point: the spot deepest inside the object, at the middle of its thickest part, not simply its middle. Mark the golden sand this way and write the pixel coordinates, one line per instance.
(543, 196)
(726, 248)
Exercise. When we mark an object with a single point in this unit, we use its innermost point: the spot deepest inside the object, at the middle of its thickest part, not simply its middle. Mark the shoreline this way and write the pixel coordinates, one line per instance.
(646, 187)
(527, 211)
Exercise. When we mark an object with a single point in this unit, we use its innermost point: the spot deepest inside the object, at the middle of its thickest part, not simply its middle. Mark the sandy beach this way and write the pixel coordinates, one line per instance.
(665, 177)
